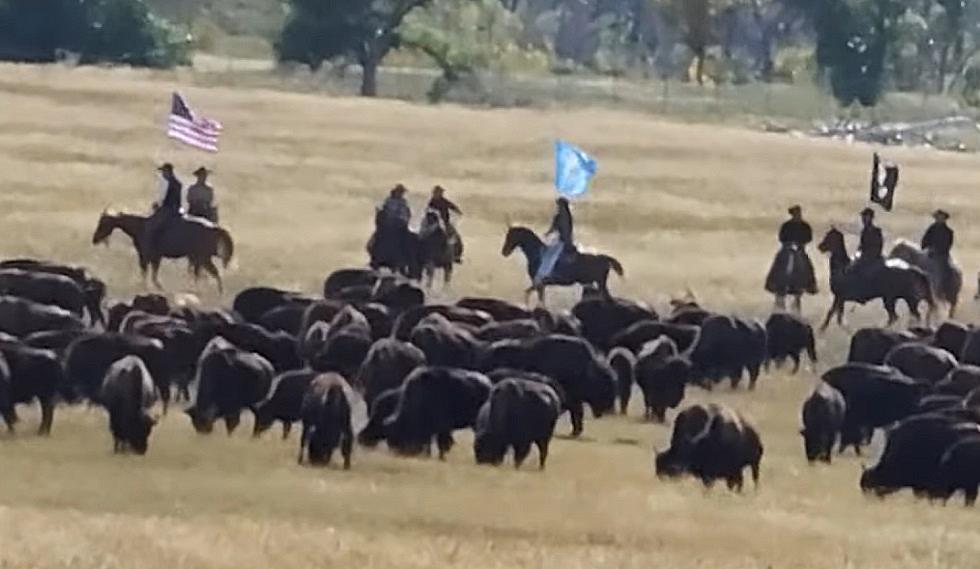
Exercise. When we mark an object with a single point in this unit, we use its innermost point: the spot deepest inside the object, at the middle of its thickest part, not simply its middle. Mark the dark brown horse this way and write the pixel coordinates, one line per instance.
(193, 238)
(436, 249)
(584, 269)
(895, 280)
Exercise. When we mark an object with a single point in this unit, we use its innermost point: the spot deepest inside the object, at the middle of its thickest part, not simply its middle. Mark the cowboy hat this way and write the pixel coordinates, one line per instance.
(202, 171)
(867, 212)
(399, 189)
(941, 213)
(438, 190)
(795, 209)
(166, 167)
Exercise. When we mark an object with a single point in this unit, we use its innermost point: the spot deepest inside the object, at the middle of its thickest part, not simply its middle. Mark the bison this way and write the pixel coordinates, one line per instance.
(128, 393)
(788, 337)
(959, 469)
(499, 310)
(228, 380)
(33, 375)
(921, 362)
(327, 426)
(284, 403)
(823, 418)
(623, 362)
(871, 345)
(603, 318)
(386, 366)
(519, 413)
(21, 317)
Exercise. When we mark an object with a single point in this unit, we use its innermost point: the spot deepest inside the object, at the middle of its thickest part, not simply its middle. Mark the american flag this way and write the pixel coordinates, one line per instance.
(183, 126)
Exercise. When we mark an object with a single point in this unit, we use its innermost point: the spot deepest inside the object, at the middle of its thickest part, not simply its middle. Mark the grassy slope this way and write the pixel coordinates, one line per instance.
(678, 204)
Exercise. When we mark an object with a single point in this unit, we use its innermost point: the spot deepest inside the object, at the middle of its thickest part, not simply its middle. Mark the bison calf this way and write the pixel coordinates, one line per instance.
(128, 393)
(518, 414)
(327, 420)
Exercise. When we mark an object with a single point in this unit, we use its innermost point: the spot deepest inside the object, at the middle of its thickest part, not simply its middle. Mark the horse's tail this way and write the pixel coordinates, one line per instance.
(225, 246)
(614, 264)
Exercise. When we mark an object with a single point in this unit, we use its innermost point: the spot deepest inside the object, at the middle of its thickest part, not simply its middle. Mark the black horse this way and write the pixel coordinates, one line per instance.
(397, 249)
(583, 268)
(436, 249)
(895, 280)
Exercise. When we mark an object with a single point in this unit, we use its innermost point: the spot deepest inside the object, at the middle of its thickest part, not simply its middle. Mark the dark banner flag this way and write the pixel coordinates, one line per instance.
(884, 180)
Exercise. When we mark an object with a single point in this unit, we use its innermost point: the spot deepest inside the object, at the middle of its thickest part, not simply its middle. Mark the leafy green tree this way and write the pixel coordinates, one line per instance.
(364, 31)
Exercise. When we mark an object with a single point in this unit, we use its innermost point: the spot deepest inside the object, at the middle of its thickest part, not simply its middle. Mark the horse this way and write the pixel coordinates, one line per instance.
(791, 275)
(947, 282)
(394, 248)
(895, 280)
(192, 237)
(436, 249)
(584, 268)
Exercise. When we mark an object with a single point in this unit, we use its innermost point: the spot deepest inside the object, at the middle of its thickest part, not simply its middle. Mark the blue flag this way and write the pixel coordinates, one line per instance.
(573, 169)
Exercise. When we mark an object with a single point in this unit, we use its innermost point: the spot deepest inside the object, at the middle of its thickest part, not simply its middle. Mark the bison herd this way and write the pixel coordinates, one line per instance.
(371, 346)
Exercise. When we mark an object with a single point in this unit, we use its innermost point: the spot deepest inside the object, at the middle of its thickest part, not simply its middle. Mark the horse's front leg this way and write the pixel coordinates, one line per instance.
(891, 308)
(155, 273)
(830, 314)
(798, 304)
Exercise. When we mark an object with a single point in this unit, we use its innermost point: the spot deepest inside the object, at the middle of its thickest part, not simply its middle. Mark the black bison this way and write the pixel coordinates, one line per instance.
(960, 381)
(499, 310)
(387, 364)
(286, 318)
(128, 393)
(663, 382)
(347, 278)
(572, 362)
(279, 348)
(602, 318)
(252, 303)
(88, 358)
(228, 380)
(312, 341)
(871, 345)
(446, 344)
(284, 403)
(432, 403)
(408, 320)
(939, 403)
(21, 317)
(379, 409)
(380, 319)
(921, 362)
(398, 297)
(519, 413)
(728, 347)
(46, 288)
(55, 340)
(789, 337)
(634, 337)
(959, 469)
(712, 442)
(823, 418)
(875, 396)
(33, 375)
(327, 426)
(93, 288)
(951, 336)
(623, 362)
(971, 348)
(343, 353)
(912, 454)
(509, 330)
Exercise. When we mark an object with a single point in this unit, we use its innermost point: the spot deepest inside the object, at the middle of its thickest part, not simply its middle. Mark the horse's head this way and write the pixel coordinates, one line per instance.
(107, 223)
(518, 236)
(832, 241)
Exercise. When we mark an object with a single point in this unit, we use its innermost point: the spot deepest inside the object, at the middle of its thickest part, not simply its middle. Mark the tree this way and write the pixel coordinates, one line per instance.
(361, 30)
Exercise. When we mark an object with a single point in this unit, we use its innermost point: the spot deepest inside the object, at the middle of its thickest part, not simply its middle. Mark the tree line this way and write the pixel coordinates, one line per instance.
(857, 48)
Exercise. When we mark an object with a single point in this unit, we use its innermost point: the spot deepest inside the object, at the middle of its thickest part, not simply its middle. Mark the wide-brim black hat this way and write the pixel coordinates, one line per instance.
(795, 209)
(941, 213)
(166, 167)
(202, 171)
(867, 211)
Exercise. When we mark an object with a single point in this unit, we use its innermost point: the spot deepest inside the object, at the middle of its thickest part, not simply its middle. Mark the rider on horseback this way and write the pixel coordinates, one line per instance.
(445, 208)
(792, 271)
(871, 258)
(200, 197)
(166, 209)
(562, 248)
(938, 242)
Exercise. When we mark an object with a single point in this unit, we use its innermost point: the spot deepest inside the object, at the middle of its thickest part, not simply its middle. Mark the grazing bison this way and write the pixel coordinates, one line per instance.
(572, 362)
(21, 317)
(342, 279)
(519, 413)
(45, 288)
(312, 341)
(387, 364)
(960, 381)
(278, 348)
(228, 380)
(287, 318)
(663, 382)
(603, 318)
(343, 353)
(951, 336)
(382, 407)
(634, 337)
(33, 375)
(252, 303)
(913, 451)
(284, 403)
(726, 347)
(959, 469)
(509, 330)
(93, 288)
(921, 362)
(623, 362)
(128, 393)
(712, 442)
(432, 403)
(875, 396)
(871, 345)
(446, 344)
(327, 426)
(823, 419)
(788, 337)
(88, 358)
(499, 310)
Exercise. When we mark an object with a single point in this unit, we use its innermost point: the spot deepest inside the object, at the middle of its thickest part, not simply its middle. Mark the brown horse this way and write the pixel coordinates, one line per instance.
(895, 280)
(192, 237)
(584, 269)
(436, 249)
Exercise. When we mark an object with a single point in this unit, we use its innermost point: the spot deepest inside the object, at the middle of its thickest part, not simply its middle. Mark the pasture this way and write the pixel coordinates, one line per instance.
(679, 205)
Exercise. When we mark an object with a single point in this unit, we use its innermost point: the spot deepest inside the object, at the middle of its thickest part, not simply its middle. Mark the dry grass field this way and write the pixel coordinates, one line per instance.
(680, 205)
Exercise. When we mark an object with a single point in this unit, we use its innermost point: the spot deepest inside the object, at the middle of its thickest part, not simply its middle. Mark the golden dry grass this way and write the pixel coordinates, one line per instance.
(680, 205)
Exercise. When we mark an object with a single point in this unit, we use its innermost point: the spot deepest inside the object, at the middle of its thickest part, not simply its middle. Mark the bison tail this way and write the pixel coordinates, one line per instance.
(615, 265)
(225, 246)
